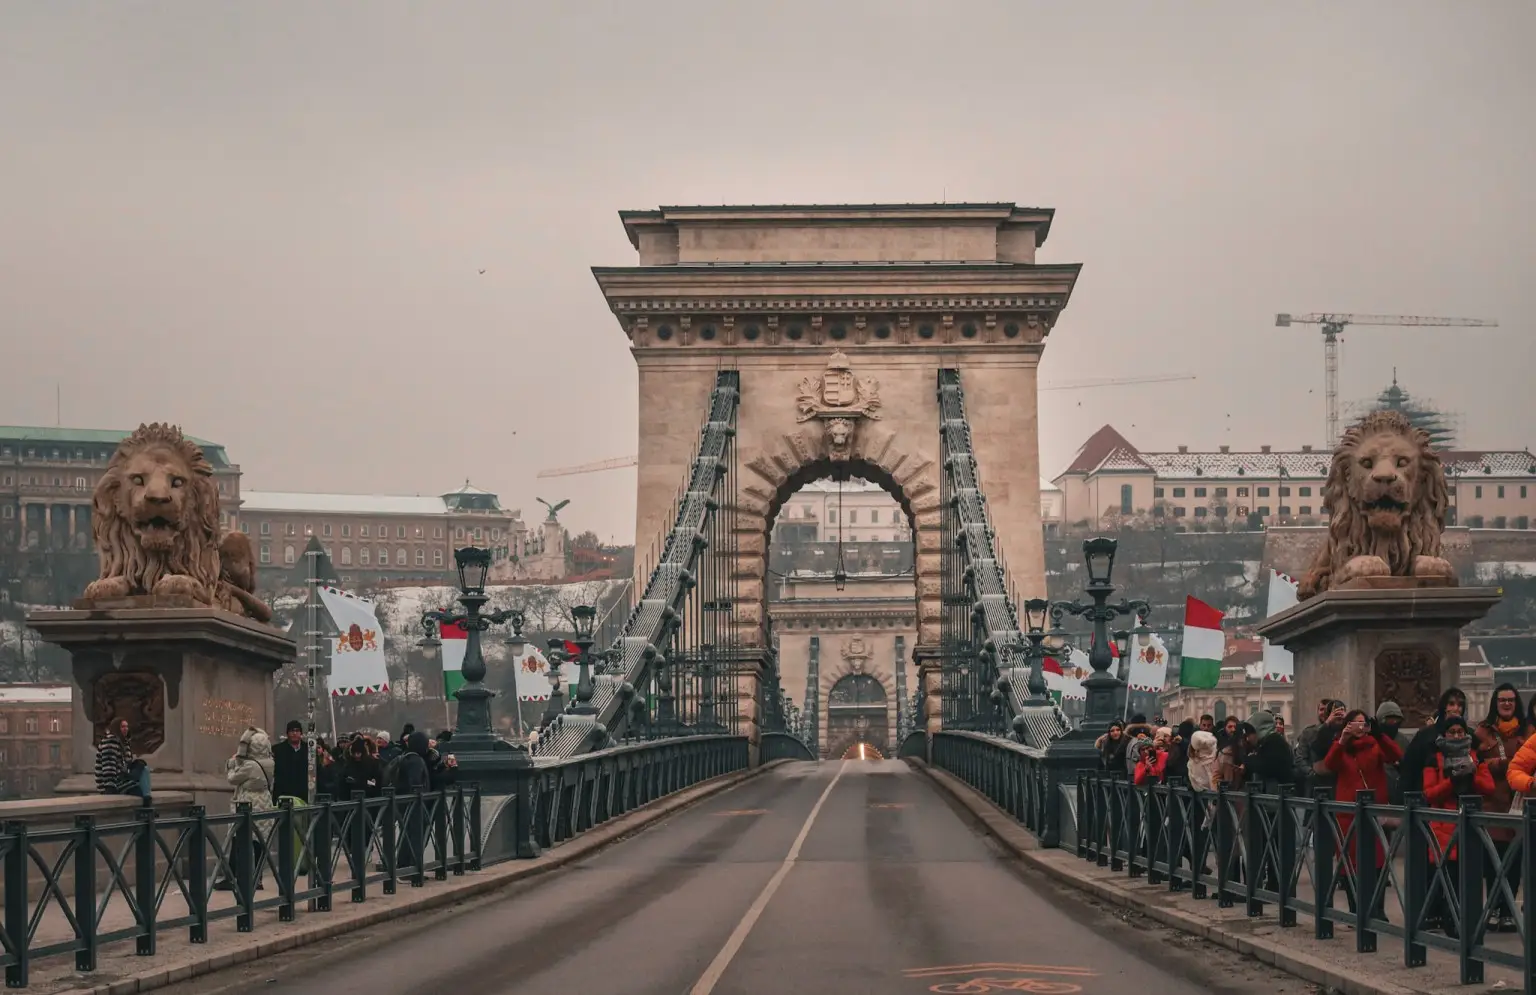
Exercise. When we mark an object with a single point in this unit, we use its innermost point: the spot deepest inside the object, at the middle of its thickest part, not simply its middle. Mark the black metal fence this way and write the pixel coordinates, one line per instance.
(73, 889)
(1431, 878)
(194, 870)
(576, 795)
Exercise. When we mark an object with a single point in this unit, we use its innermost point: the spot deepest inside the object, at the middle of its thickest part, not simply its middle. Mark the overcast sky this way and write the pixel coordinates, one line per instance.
(265, 220)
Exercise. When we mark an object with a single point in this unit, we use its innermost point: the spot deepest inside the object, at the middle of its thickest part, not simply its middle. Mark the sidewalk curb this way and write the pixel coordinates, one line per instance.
(1022, 844)
(453, 891)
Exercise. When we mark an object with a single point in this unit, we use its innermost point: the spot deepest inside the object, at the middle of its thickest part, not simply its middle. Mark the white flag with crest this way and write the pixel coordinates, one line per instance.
(1279, 664)
(1149, 663)
(357, 651)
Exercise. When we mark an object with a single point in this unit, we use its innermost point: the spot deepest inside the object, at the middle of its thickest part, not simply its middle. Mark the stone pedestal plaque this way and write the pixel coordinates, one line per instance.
(189, 680)
(1371, 644)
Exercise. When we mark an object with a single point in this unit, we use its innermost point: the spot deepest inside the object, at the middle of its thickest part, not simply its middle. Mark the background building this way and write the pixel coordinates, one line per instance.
(383, 539)
(34, 738)
(1111, 482)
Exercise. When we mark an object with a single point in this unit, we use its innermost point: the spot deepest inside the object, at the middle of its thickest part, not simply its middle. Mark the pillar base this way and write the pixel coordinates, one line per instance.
(189, 680)
(1367, 645)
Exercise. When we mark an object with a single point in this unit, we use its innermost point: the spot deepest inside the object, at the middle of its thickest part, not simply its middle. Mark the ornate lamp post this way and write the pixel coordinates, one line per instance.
(555, 654)
(584, 618)
(473, 731)
(516, 643)
(1104, 688)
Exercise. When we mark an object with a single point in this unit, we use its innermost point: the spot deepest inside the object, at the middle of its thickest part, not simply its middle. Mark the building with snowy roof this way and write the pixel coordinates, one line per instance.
(383, 538)
(1112, 481)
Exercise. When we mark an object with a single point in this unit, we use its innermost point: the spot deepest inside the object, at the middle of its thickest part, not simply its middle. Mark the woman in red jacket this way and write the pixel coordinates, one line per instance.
(1453, 771)
(1359, 759)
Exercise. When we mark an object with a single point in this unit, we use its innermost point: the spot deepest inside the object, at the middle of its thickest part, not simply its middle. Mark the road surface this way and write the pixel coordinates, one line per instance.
(847, 876)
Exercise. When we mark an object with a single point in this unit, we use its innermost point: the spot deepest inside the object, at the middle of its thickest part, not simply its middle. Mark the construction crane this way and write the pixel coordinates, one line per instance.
(619, 462)
(607, 464)
(1333, 329)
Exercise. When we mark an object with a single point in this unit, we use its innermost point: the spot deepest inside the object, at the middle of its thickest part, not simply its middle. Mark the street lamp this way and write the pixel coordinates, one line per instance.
(1103, 687)
(473, 731)
(515, 641)
(554, 655)
(584, 618)
(1035, 612)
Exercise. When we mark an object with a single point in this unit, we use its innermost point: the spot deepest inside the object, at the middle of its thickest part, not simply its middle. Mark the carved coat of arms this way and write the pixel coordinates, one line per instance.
(838, 399)
(856, 653)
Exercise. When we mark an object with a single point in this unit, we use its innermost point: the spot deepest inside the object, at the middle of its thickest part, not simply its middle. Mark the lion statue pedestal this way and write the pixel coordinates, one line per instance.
(1380, 616)
(188, 679)
(171, 637)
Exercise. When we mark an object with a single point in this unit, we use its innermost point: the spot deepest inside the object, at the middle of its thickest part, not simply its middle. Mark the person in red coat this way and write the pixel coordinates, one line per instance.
(1358, 760)
(1453, 771)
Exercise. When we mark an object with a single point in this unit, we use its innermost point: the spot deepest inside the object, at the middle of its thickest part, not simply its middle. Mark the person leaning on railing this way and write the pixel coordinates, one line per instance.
(1111, 747)
(1153, 761)
(1453, 771)
(1499, 738)
(1358, 760)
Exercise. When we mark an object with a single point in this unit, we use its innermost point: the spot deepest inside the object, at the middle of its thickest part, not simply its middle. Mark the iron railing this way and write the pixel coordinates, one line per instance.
(1431, 878)
(73, 889)
(193, 870)
(573, 796)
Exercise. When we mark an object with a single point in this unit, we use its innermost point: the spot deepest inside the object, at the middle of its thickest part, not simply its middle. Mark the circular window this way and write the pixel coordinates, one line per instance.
(1011, 329)
(883, 332)
(838, 332)
(750, 333)
(795, 332)
(707, 333)
(925, 331)
(969, 330)
(664, 332)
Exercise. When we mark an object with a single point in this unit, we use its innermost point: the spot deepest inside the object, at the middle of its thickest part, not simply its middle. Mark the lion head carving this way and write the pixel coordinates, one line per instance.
(156, 518)
(1387, 499)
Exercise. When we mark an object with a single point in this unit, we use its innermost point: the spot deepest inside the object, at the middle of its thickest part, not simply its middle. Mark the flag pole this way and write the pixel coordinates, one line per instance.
(312, 633)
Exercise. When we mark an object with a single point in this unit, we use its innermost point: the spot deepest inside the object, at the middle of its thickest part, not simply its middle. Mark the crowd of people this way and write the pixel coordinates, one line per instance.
(262, 774)
(1347, 751)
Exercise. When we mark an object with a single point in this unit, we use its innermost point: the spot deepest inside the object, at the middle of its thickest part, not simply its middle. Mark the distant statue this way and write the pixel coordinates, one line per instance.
(554, 509)
(155, 520)
(1387, 499)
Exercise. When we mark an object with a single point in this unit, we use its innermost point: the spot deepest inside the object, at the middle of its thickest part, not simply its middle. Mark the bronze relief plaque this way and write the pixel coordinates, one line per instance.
(1410, 676)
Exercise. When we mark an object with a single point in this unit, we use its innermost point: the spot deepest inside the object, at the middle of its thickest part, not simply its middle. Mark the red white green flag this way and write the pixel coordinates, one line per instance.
(455, 639)
(1204, 645)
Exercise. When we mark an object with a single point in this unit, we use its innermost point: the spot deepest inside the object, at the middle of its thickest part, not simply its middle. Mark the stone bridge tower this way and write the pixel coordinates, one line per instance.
(838, 319)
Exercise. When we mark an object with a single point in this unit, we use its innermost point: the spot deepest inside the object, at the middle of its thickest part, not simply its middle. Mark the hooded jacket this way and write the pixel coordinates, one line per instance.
(1202, 761)
(414, 772)
(250, 770)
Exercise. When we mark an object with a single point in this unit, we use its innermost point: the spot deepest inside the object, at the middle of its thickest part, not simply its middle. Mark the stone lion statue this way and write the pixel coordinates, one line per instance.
(155, 520)
(1386, 498)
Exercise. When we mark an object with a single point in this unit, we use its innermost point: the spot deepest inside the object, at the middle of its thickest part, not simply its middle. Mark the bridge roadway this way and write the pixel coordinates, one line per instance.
(846, 876)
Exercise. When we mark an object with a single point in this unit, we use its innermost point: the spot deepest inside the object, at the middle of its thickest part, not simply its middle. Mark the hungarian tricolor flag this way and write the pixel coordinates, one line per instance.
(1204, 645)
(454, 637)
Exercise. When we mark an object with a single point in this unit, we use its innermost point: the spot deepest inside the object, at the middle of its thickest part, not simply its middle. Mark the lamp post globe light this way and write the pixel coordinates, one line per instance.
(1105, 690)
(472, 732)
(555, 654)
(584, 620)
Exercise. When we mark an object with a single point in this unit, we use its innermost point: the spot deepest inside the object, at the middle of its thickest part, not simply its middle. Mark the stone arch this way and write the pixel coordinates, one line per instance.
(875, 734)
(771, 474)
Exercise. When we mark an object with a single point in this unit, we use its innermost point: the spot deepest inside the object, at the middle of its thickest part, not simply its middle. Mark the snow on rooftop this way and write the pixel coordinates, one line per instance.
(1190, 465)
(339, 504)
(35, 694)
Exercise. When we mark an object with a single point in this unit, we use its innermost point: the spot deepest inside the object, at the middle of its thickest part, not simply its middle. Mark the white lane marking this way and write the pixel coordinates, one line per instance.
(716, 969)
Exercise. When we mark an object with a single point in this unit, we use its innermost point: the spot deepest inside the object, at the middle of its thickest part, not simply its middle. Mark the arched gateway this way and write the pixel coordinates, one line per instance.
(823, 335)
